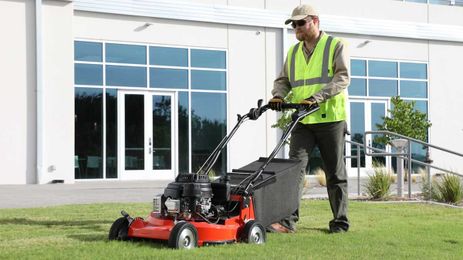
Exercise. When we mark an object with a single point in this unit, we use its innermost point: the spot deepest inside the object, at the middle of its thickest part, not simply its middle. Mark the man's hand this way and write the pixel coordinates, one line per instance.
(275, 103)
(309, 101)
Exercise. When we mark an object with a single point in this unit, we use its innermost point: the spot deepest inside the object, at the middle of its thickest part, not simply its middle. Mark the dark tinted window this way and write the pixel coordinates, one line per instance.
(111, 133)
(183, 144)
(208, 127)
(88, 133)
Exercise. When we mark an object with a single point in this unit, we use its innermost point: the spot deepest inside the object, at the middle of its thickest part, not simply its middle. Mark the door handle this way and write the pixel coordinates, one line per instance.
(149, 146)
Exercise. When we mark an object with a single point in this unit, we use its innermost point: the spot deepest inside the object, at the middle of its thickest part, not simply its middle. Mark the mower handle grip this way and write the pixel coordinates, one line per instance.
(298, 106)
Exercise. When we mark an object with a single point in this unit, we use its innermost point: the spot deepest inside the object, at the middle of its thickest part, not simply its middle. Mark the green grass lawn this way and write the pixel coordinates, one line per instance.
(378, 231)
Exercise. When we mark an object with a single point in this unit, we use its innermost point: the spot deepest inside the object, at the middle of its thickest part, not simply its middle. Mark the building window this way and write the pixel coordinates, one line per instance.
(375, 80)
(197, 76)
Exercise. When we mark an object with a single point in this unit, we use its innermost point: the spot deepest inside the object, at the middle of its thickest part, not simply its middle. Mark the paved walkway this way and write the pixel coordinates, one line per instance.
(29, 196)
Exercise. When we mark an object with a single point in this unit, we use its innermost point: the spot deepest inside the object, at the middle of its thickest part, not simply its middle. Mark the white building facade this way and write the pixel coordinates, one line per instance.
(144, 90)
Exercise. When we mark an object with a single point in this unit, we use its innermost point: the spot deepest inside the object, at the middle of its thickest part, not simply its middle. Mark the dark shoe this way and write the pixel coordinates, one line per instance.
(278, 228)
(334, 230)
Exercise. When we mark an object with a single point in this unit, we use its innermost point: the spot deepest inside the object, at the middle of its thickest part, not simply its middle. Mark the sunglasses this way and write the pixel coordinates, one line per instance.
(299, 23)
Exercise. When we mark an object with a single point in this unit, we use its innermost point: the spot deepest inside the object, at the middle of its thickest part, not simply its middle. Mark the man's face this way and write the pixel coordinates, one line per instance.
(306, 29)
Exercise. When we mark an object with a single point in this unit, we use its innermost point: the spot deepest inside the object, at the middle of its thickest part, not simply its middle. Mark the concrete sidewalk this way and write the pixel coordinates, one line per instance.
(30, 196)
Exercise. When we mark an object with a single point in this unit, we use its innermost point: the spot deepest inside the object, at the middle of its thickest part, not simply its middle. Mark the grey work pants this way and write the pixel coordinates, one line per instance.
(330, 138)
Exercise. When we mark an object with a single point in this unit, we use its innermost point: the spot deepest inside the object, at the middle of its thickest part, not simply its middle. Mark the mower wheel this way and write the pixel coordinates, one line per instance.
(119, 229)
(183, 236)
(253, 233)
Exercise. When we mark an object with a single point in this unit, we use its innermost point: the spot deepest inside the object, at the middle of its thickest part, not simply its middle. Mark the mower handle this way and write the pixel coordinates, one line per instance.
(298, 106)
(255, 113)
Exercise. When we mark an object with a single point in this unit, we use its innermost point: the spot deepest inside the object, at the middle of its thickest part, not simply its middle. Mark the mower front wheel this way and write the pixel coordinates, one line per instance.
(253, 233)
(119, 229)
(183, 236)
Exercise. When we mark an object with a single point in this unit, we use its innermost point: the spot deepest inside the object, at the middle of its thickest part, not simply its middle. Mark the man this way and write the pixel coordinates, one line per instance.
(316, 70)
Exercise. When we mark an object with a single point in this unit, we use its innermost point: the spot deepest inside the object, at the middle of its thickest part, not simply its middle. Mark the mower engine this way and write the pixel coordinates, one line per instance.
(189, 197)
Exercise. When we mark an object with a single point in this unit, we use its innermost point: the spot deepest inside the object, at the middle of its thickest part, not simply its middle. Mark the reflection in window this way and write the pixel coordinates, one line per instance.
(210, 80)
(88, 51)
(123, 53)
(183, 129)
(168, 56)
(413, 89)
(421, 106)
(111, 133)
(357, 87)
(357, 129)
(134, 132)
(206, 70)
(378, 111)
(208, 59)
(125, 76)
(88, 74)
(168, 78)
(382, 88)
(88, 133)
(208, 127)
(382, 69)
(162, 132)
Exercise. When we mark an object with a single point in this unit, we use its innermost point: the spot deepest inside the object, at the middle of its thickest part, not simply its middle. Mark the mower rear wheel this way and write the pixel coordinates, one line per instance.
(183, 236)
(253, 233)
(119, 229)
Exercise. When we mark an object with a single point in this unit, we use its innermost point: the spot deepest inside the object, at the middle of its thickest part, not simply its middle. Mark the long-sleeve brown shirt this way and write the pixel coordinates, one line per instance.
(340, 81)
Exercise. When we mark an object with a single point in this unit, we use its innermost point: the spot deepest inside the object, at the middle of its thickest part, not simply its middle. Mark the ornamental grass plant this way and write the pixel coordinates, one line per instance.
(379, 183)
(449, 189)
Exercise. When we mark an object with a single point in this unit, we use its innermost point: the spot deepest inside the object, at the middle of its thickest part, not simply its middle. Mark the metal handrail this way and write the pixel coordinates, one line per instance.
(407, 156)
(380, 152)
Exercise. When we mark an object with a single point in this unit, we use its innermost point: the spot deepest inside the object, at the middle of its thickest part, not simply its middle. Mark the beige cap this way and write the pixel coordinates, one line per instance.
(302, 12)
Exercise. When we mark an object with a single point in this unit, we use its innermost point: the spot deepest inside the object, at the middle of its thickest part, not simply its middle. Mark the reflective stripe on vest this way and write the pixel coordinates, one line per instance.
(306, 79)
(323, 79)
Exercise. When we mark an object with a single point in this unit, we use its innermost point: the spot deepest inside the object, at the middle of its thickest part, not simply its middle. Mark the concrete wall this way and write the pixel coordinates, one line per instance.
(445, 107)
(17, 101)
(58, 95)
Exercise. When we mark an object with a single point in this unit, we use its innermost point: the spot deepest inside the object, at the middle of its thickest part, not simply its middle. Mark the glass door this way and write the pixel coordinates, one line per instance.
(147, 147)
(364, 116)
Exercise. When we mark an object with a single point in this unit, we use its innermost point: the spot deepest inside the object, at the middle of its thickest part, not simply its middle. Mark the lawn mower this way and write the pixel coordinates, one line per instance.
(194, 211)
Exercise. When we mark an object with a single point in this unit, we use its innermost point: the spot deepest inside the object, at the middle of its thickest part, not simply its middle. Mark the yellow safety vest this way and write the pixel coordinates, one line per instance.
(308, 78)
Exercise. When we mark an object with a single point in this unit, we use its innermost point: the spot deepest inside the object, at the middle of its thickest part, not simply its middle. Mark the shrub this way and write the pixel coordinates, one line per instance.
(378, 184)
(448, 190)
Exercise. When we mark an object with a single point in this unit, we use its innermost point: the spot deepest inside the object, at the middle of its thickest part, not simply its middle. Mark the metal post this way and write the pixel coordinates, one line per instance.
(428, 171)
(400, 145)
(358, 170)
(400, 174)
(409, 169)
